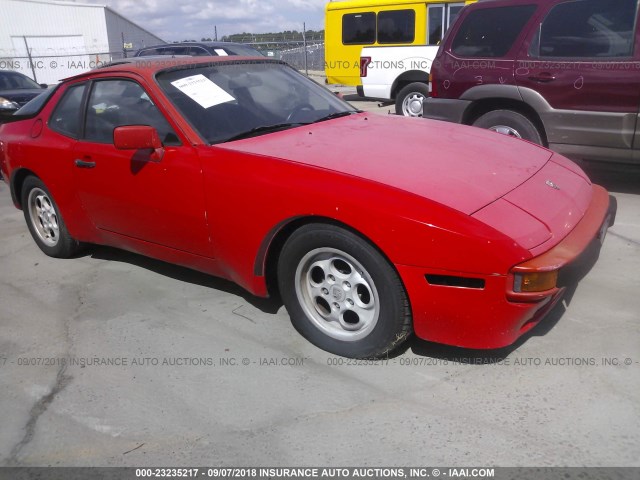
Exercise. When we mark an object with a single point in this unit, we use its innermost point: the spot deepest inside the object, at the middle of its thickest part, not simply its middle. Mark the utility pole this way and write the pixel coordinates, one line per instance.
(215, 29)
(304, 43)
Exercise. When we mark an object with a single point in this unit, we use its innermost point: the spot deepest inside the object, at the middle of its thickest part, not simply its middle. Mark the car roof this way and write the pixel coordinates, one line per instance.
(188, 44)
(13, 72)
(149, 66)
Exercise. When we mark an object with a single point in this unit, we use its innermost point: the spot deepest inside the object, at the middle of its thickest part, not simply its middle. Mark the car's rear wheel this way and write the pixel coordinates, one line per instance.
(508, 122)
(44, 220)
(409, 101)
(342, 294)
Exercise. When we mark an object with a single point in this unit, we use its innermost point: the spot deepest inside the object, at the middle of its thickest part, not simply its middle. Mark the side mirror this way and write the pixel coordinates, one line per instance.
(138, 137)
(44, 85)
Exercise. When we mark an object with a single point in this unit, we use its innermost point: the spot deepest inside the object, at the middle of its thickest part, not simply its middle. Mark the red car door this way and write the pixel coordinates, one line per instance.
(130, 193)
(579, 60)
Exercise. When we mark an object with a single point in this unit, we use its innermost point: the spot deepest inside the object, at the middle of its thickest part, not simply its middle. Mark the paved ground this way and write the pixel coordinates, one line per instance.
(203, 374)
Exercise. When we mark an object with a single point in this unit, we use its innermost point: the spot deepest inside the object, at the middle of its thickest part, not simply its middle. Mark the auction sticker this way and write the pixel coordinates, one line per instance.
(202, 90)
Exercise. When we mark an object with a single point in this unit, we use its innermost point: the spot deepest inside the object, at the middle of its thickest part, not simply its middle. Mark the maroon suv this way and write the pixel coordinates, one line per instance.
(561, 73)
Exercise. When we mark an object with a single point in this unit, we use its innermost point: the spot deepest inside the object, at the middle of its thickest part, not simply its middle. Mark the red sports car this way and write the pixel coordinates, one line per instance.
(371, 228)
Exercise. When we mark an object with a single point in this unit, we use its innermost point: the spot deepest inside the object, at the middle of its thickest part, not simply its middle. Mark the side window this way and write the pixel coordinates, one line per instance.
(66, 118)
(589, 28)
(359, 28)
(491, 32)
(149, 52)
(200, 52)
(114, 103)
(396, 26)
(175, 51)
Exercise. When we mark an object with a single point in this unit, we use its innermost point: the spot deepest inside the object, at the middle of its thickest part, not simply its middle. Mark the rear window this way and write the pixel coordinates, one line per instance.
(397, 26)
(359, 28)
(34, 105)
(491, 32)
(588, 28)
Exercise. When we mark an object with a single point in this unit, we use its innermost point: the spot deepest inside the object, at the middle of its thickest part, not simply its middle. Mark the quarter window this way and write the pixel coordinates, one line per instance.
(66, 118)
(359, 28)
(114, 103)
(396, 26)
(589, 28)
(491, 32)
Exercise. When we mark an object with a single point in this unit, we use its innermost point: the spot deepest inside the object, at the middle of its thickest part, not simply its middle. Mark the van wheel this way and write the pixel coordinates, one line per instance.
(44, 220)
(410, 99)
(342, 294)
(510, 123)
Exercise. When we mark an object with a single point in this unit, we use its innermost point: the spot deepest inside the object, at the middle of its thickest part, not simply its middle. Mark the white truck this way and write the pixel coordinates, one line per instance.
(399, 74)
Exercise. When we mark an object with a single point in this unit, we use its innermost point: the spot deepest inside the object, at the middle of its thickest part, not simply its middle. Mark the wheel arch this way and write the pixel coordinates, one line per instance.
(16, 182)
(479, 107)
(266, 261)
(406, 78)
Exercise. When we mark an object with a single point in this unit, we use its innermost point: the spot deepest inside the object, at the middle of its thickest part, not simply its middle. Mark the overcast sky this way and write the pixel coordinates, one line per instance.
(194, 19)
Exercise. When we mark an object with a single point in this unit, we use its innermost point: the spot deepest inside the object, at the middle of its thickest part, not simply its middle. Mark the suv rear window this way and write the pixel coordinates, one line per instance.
(589, 28)
(490, 32)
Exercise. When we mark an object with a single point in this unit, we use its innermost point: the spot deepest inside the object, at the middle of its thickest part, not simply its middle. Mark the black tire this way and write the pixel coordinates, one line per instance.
(417, 92)
(47, 229)
(510, 123)
(373, 317)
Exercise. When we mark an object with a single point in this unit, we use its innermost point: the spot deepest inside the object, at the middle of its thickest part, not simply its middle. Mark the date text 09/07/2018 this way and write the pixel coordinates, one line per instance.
(303, 473)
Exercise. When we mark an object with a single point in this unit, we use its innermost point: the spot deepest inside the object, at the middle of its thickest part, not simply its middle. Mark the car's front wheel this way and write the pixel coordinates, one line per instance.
(44, 220)
(342, 294)
(508, 122)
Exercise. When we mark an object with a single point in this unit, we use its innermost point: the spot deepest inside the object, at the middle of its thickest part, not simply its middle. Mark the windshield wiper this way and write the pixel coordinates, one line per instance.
(331, 116)
(263, 129)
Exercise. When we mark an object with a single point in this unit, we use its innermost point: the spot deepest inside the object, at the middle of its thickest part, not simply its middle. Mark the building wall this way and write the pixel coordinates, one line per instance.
(118, 26)
(62, 38)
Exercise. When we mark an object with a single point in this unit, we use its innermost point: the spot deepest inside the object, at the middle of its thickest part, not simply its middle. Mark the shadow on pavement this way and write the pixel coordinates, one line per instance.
(616, 178)
(183, 274)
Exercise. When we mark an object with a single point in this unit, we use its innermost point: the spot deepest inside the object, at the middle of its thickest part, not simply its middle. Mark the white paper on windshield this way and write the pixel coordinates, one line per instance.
(202, 90)
(221, 52)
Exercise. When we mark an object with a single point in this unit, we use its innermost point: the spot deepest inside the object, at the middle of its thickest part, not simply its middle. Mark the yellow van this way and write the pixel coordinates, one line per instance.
(352, 24)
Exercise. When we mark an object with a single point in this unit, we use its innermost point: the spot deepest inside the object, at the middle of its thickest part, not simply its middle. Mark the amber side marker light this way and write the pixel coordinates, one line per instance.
(535, 282)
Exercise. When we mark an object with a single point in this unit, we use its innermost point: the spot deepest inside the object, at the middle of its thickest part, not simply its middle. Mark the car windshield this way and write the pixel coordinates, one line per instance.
(15, 81)
(233, 100)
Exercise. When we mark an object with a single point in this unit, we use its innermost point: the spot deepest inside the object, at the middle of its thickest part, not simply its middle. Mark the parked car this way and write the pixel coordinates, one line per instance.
(200, 49)
(16, 90)
(247, 170)
(560, 73)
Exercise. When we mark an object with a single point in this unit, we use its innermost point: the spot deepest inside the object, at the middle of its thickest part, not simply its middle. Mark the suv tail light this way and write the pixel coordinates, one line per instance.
(432, 81)
(364, 65)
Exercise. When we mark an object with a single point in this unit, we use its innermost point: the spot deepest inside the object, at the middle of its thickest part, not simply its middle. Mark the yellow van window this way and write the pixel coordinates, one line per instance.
(359, 28)
(396, 26)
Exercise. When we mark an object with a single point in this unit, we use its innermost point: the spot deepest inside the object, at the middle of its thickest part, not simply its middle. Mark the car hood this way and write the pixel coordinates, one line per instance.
(465, 168)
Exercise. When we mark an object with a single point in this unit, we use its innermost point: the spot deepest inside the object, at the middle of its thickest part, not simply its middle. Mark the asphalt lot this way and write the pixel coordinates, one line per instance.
(112, 359)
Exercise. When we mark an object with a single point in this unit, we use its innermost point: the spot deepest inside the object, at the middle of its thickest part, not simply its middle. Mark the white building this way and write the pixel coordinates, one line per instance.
(50, 40)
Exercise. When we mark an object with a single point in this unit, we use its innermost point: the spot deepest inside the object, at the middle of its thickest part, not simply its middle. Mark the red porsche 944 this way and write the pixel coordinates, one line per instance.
(371, 228)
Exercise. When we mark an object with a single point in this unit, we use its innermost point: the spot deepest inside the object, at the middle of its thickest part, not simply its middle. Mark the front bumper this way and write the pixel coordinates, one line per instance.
(495, 316)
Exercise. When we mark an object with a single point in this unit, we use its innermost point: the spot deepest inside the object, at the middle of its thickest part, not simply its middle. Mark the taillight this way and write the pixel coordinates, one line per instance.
(364, 65)
(432, 81)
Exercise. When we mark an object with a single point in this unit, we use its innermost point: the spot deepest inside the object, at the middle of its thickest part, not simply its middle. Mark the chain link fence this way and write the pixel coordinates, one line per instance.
(55, 64)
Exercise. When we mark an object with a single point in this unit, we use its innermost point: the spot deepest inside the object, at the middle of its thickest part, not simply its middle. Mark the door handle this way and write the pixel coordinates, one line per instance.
(543, 77)
(84, 164)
